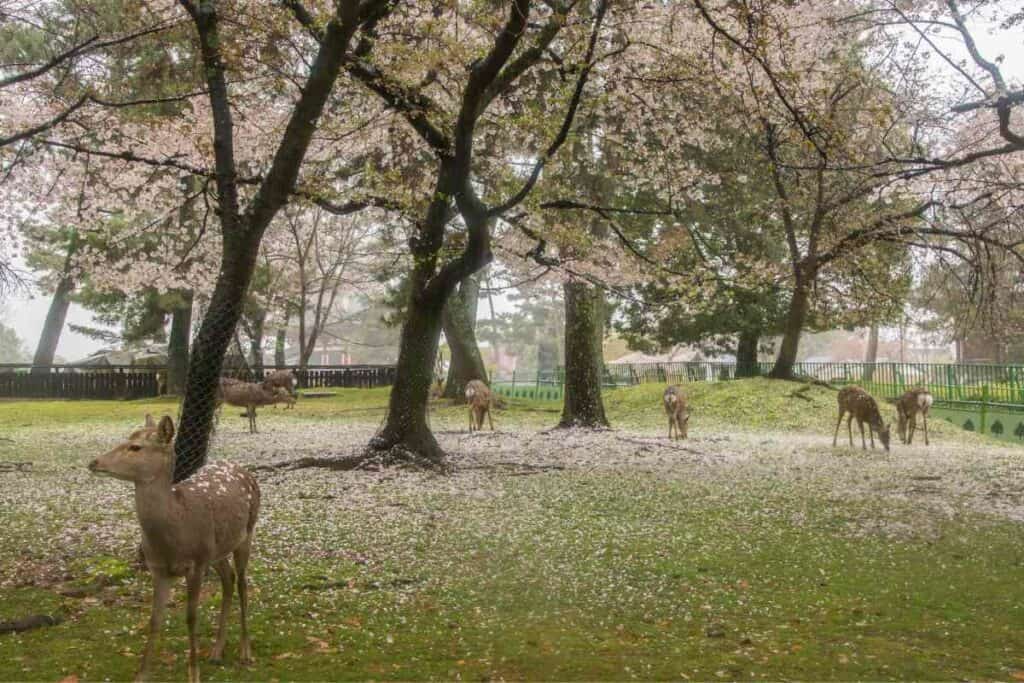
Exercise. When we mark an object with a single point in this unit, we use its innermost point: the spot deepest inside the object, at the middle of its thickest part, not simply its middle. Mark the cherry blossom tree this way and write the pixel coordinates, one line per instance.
(449, 110)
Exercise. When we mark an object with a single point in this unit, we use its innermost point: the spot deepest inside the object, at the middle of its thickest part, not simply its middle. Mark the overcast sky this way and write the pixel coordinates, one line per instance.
(26, 312)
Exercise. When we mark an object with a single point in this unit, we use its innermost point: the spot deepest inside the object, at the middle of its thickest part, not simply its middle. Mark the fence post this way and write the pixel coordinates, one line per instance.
(984, 408)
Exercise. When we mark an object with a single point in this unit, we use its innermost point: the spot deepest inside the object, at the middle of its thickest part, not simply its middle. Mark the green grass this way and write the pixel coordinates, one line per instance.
(700, 572)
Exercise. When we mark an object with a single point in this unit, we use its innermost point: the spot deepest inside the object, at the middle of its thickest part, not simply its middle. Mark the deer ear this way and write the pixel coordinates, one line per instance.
(150, 422)
(165, 430)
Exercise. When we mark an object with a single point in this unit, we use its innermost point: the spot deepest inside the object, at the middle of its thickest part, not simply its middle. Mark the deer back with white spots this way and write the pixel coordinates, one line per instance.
(859, 404)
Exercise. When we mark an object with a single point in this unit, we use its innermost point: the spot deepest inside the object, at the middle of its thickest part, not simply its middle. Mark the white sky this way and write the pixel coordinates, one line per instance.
(26, 313)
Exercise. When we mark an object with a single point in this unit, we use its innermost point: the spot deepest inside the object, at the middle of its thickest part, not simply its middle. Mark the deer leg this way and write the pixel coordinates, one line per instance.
(835, 437)
(161, 591)
(849, 428)
(194, 581)
(241, 562)
(871, 434)
(863, 443)
(924, 418)
(489, 420)
(670, 423)
(227, 587)
(471, 418)
(911, 427)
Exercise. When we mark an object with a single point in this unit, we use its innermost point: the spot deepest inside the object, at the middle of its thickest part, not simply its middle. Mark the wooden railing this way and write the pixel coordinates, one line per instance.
(135, 381)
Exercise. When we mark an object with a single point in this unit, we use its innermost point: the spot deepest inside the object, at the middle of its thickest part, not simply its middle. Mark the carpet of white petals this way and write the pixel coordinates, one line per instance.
(69, 513)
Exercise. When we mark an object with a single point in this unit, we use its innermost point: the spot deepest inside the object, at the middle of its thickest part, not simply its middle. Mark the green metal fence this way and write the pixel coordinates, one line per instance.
(978, 397)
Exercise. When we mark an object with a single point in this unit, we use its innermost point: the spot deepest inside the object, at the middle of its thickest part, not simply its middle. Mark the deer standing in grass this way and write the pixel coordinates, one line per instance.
(186, 528)
(478, 395)
(859, 404)
(250, 396)
(283, 379)
(674, 401)
(912, 402)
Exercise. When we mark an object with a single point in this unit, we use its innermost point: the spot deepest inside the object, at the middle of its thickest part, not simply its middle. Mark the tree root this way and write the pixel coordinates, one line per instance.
(373, 458)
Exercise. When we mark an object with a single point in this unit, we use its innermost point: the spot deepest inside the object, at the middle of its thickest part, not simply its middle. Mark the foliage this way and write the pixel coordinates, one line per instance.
(12, 348)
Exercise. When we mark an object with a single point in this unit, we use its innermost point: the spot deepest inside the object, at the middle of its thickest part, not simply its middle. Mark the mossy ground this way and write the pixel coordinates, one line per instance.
(752, 551)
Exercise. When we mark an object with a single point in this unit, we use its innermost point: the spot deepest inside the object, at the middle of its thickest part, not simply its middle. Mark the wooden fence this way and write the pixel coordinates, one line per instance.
(133, 382)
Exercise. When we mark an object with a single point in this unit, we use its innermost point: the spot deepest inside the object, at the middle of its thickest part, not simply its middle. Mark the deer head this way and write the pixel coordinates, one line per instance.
(884, 433)
(144, 457)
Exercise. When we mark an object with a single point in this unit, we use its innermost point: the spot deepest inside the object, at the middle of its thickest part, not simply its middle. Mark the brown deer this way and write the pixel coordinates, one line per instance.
(283, 379)
(858, 403)
(912, 402)
(250, 396)
(478, 395)
(674, 401)
(187, 527)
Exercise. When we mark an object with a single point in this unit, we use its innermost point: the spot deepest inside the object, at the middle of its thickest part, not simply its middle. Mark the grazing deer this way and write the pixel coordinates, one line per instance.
(674, 401)
(283, 379)
(858, 403)
(249, 396)
(187, 527)
(478, 395)
(912, 402)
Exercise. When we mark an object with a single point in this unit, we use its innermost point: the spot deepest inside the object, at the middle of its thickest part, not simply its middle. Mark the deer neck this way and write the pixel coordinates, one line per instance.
(154, 502)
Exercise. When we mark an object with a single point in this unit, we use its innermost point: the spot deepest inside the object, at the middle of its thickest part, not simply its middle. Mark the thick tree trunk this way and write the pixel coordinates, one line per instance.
(207, 359)
(177, 345)
(746, 354)
(53, 326)
(871, 353)
(584, 358)
(459, 323)
(406, 426)
(795, 318)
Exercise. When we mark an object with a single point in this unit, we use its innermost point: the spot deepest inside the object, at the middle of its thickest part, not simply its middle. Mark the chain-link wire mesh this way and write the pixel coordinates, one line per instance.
(221, 376)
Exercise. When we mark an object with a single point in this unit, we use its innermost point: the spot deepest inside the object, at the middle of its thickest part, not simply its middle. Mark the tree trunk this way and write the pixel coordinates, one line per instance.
(795, 318)
(256, 345)
(177, 345)
(207, 359)
(406, 427)
(746, 354)
(871, 353)
(584, 357)
(282, 336)
(458, 319)
(53, 326)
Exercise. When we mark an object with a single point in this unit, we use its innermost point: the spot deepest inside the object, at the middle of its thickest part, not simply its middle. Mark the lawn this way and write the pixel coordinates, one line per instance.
(754, 550)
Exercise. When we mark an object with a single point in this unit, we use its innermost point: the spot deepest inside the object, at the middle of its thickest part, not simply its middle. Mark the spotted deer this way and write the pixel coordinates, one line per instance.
(478, 395)
(674, 401)
(912, 402)
(206, 520)
(859, 404)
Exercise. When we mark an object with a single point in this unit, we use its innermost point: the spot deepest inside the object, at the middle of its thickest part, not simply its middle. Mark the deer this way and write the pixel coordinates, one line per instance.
(283, 379)
(912, 402)
(478, 395)
(859, 403)
(674, 401)
(249, 395)
(206, 520)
